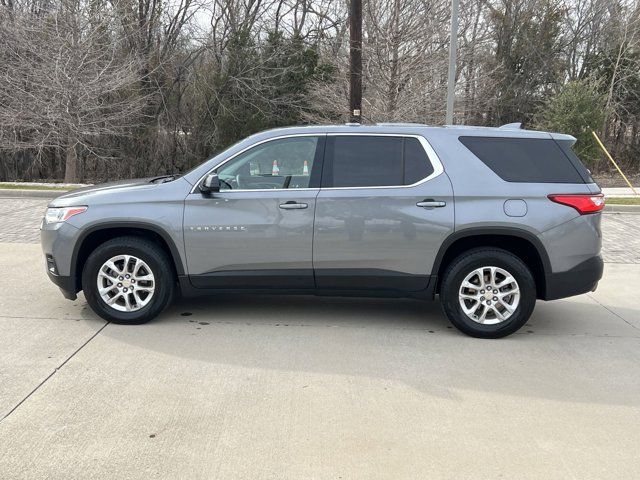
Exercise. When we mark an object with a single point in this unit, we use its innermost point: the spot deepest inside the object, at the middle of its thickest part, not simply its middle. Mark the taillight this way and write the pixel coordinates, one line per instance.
(582, 203)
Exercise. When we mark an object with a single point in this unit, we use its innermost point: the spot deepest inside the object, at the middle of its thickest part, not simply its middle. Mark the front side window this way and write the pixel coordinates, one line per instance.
(374, 161)
(277, 164)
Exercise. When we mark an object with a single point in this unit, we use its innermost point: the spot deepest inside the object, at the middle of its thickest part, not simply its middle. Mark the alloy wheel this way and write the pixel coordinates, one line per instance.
(126, 283)
(489, 295)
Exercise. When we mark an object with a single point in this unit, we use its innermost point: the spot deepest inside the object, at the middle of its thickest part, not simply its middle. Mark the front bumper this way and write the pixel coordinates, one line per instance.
(66, 284)
(57, 243)
(582, 278)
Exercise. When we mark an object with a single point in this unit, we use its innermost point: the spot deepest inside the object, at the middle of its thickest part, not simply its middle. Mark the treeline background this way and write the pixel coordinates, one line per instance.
(92, 90)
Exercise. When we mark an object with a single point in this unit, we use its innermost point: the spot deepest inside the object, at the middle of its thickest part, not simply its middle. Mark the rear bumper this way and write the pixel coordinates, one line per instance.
(582, 278)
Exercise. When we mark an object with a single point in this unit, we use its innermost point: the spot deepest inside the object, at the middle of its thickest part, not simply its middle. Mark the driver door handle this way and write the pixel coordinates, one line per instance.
(430, 203)
(291, 205)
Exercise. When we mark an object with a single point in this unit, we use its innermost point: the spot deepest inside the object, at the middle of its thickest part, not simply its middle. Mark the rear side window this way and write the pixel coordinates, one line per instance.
(416, 163)
(565, 145)
(531, 160)
(374, 161)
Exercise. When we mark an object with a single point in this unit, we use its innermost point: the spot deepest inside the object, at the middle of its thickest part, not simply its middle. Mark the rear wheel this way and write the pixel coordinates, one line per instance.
(128, 280)
(488, 293)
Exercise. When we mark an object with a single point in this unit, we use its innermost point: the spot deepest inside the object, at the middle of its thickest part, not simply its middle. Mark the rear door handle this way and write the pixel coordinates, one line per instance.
(430, 203)
(291, 205)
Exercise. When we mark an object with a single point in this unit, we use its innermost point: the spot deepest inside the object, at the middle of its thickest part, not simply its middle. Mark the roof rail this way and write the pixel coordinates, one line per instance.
(511, 126)
(401, 124)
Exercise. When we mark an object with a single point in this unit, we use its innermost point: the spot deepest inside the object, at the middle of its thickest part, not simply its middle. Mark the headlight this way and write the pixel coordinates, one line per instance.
(62, 214)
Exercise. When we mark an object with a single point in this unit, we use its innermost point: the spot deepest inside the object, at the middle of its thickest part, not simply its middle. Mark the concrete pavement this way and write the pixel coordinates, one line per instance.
(258, 387)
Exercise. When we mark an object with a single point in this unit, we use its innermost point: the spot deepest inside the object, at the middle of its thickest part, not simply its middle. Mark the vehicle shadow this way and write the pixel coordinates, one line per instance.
(315, 311)
(398, 340)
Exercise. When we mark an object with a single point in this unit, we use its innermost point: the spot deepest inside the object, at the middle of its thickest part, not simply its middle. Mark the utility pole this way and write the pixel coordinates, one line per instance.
(453, 47)
(355, 61)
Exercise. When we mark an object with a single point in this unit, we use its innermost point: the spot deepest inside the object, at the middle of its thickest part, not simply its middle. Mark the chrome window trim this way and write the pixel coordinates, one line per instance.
(433, 157)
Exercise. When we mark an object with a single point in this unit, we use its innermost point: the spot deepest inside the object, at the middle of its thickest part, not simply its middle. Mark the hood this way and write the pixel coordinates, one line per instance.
(86, 194)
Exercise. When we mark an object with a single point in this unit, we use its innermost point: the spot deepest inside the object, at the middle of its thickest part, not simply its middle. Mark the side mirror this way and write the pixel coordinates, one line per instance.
(211, 184)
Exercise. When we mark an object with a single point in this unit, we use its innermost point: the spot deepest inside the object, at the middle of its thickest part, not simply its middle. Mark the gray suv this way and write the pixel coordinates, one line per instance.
(489, 219)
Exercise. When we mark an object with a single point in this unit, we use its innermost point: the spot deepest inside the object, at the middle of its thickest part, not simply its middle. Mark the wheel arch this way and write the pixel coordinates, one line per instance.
(96, 235)
(523, 244)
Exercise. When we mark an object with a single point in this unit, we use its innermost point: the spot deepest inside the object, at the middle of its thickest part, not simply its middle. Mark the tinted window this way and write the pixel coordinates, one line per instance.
(370, 161)
(533, 160)
(416, 163)
(565, 145)
(283, 163)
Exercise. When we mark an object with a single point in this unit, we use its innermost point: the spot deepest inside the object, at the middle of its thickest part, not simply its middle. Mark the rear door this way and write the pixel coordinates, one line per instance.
(384, 209)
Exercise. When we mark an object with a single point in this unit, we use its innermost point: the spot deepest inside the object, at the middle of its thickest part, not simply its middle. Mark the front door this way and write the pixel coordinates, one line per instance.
(257, 232)
(384, 209)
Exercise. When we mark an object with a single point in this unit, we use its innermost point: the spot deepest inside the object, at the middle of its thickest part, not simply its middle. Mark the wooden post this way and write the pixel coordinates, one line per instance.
(355, 61)
(606, 152)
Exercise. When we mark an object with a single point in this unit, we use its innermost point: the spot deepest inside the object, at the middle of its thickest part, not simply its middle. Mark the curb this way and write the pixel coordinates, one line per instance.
(16, 193)
(621, 208)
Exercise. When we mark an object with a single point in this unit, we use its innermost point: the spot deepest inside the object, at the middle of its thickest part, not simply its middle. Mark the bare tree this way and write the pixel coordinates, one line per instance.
(66, 82)
(115, 88)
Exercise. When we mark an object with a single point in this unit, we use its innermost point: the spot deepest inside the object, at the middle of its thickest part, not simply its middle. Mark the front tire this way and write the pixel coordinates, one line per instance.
(488, 293)
(128, 280)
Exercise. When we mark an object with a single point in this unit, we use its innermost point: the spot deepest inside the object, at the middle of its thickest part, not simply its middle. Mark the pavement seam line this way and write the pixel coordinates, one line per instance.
(41, 318)
(55, 370)
(614, 313)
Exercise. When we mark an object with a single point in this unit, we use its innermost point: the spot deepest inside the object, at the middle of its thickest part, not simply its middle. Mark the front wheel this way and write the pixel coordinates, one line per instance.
(128, 280)
(488, 293)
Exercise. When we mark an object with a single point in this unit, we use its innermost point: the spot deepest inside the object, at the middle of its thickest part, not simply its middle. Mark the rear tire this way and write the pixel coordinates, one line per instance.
(128, 280)
(488, 293)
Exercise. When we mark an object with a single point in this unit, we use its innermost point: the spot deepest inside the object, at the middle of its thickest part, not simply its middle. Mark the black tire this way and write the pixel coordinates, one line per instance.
(463, 265)
(145, 250)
